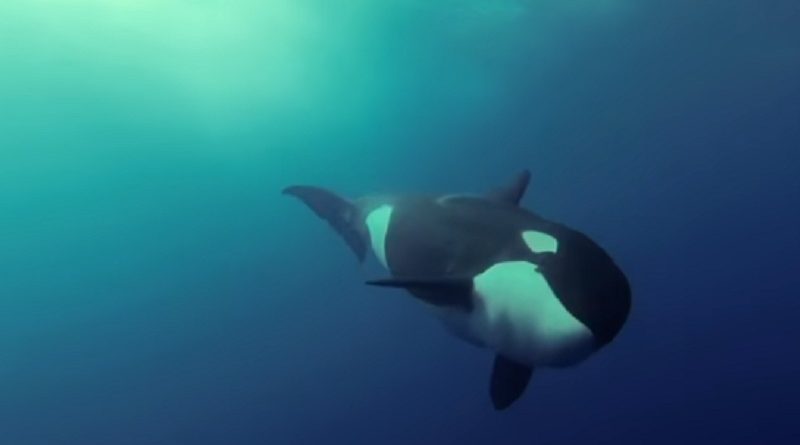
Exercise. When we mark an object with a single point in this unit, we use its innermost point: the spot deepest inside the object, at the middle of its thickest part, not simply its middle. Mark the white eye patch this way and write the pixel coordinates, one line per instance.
(540, 242)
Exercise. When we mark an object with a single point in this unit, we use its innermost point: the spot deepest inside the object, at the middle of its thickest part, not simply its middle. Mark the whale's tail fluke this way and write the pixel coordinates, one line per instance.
(340, 213)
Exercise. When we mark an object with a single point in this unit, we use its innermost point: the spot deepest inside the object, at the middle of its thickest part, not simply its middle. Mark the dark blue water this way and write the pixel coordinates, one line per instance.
(156, 288)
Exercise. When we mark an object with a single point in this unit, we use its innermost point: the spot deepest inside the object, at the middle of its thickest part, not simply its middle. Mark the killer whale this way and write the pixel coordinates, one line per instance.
(536, 292)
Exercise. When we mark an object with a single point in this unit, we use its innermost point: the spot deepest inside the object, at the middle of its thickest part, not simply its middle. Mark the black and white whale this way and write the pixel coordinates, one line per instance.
(535, 292)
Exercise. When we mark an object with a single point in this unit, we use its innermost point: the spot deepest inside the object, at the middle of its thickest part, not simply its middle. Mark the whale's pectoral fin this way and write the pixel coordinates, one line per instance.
(509, 380)
(454, 292)
(512, 192)
(340, 213)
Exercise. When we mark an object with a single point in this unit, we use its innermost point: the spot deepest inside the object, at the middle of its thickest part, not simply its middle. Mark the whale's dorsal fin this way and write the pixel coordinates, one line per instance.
(340, 213)
(509, 380)
(512, 192)
(454, 292)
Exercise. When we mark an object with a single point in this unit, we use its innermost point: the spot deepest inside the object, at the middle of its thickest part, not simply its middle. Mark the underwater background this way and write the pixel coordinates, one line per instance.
(156, 288)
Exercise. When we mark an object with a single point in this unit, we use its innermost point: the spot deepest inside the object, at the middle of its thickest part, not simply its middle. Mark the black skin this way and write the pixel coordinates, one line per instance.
(460, 237)
(434, 248)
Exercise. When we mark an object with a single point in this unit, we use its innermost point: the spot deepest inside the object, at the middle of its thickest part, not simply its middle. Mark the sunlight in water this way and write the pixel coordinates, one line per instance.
(213, 53)
(288, 65)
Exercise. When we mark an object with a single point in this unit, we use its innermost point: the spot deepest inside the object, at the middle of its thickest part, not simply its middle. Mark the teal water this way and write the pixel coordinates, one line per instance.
(156, 288)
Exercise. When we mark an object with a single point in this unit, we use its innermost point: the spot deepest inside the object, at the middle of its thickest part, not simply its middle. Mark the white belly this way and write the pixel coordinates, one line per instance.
(515, 311)
(517, 314)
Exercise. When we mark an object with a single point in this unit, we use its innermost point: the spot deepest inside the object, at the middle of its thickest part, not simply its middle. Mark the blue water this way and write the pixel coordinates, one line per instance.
(156, 288)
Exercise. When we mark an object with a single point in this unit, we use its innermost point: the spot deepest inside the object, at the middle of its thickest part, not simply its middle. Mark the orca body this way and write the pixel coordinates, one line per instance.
(533, 291)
